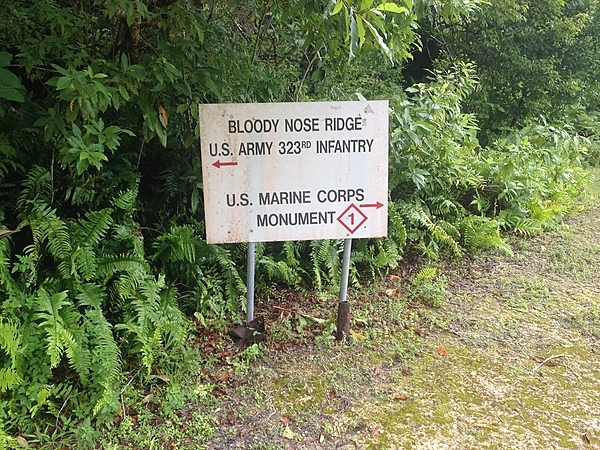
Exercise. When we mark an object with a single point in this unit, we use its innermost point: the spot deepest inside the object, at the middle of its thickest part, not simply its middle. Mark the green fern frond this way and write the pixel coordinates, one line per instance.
(480, 232)
(52, 322)
(397, 229)
(234, 284)
(527, 226)
(125, 236)
(9, 378)
(439, 231)
(64, 334)
(111, 264)
(36, 188)
(9, 343)
(178, 245)
(52, 234)
(104, 346)
(84, 263)
(425, 274)
(7, 282)
(292, 253)
(95, 226)
(91, 295)
(280, 271)
(106, 352)
(172, 321)
(326, 262)
(126, 200)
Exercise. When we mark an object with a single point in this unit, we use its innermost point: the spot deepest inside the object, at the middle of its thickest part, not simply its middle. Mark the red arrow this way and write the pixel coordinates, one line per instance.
(218, 164)
(372, 205)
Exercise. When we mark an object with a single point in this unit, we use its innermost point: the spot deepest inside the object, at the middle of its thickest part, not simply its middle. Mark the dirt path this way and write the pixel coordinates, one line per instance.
(511, 360)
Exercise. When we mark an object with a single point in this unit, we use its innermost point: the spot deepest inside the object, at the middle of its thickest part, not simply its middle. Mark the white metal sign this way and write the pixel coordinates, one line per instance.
(294, 171)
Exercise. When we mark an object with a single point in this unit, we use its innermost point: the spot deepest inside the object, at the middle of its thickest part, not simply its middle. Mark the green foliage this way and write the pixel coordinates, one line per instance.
(11, 88)
(434, 160)
(535, 58)
(9, 345)
(81, 283)
(428, 288)
(533, 176)
(100, 169)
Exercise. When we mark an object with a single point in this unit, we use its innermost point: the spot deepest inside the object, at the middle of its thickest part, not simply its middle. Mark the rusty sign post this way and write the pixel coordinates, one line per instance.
(294, 171)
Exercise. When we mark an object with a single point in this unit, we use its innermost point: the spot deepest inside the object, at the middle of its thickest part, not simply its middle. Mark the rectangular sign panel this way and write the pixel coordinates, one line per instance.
(294, 171)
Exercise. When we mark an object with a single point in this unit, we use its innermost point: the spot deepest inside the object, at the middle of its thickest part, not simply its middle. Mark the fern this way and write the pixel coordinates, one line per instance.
(9, 343)
(60, 320)
(177, 245)
(95, 226)
(104, 349)
(156, 320)
(280, 271)
(37, 189)
(481, 233)
(235, 288)
(326, 262)
(438, 231)
(126, 200)
(51, 321)
(84, 263)
(129, 263)
(7, 283)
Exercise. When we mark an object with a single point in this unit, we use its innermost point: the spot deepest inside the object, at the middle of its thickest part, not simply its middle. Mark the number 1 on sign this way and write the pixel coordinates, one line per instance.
(351, 215)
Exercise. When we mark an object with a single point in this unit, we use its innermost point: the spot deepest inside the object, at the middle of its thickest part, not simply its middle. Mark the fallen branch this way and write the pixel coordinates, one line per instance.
(536, 368)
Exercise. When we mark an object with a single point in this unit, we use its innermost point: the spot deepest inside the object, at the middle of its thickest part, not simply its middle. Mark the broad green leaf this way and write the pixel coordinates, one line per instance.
(391, 7)
(5, 59)
(353, 35)
(338, 7)
(361, 31)
(366, 4)
(11, 94)
(10, 86)
(380, 41)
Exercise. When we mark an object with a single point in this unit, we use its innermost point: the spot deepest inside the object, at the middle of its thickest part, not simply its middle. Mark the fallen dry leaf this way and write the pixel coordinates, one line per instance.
(288, 433)
(390, 292)
(418, 332)
(400, 397)
(147, 399)
(357, 335)
(377, 371)
(442, 351)
(224, 377)
(22, 442)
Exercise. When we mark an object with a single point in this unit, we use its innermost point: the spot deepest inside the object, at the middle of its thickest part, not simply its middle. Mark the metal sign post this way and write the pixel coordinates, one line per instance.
(343, 318)
(250, 283)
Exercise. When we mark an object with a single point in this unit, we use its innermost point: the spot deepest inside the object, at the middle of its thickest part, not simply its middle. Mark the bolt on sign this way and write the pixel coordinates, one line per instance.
(294, 171)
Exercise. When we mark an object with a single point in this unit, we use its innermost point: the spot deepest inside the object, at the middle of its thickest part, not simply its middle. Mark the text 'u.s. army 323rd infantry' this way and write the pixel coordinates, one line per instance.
(294, 171)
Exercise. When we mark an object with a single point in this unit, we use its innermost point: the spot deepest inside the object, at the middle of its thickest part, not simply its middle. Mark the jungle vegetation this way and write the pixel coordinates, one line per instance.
(495, 110)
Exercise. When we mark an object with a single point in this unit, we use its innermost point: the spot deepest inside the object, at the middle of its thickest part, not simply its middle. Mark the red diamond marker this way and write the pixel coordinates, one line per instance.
(352, 218)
